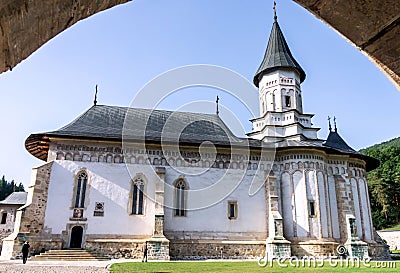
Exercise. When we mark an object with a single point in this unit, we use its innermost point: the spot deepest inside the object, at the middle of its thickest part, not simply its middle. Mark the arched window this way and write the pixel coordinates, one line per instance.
(81, 190)
(180, 198)
(137, 197)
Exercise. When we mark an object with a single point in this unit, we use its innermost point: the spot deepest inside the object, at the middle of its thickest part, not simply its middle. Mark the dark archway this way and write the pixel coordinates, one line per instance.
(76, 237)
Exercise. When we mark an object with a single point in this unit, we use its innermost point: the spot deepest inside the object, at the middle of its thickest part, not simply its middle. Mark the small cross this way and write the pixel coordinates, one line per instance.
(329, 120)
(217, 105)
(275, 17)
(334, 120)
(95, 96)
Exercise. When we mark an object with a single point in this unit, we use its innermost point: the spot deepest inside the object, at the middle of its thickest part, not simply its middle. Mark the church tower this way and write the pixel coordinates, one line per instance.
(281, 110)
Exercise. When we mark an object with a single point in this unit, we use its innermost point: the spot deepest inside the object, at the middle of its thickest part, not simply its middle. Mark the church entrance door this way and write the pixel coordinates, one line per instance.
(76, 237)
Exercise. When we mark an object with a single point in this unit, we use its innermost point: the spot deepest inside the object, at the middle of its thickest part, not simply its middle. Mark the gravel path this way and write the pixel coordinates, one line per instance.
(16, 266)
(22, 268)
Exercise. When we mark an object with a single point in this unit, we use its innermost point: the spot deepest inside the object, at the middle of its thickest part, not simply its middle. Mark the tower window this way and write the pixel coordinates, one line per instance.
(3, 218)
(232, 210)
(287, 101)
(312, 208)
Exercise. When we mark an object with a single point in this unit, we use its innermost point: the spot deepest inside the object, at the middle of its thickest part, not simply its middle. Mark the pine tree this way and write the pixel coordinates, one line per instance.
(6, 188)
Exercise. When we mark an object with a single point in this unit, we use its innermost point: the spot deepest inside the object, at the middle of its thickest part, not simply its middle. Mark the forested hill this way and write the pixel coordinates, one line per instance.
(384, 183)
(390, 143)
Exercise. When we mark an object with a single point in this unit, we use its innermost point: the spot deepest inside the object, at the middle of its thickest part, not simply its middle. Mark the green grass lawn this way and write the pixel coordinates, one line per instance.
(247, 266)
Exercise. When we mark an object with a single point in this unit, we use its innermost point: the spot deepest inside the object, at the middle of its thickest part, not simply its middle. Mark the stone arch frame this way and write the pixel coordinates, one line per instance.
(265, 101)
(75, 188)
(171, 161)
(76, 157)
(324, 203)
(274, 102)
(143, 178)
(289, 203)
(132, 160)
(85, 157)
(180, 207)
(69, 228)
(94, 158)
(140, 160)
(69, 156)
(118, 159)
(109, 158)
(60, 156)
(299, 205)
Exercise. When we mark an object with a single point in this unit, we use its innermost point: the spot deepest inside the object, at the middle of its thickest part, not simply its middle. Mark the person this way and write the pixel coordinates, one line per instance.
(144, 252)
(25, 251)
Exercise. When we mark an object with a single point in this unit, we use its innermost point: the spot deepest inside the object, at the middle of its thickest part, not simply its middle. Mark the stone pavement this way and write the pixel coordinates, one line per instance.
(16, 266)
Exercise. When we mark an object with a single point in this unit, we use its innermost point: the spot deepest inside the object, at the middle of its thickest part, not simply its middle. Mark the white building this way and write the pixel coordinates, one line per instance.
(8, 211)
(115, 178)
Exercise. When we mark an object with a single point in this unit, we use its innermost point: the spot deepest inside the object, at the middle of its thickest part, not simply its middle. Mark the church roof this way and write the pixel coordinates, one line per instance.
(107, 123)
(277, 56)
(103, 122)
(15, 198)
(334, 140)
(333, 145)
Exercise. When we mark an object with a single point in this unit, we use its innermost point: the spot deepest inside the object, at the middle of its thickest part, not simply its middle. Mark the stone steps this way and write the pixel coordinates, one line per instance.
(69, 255)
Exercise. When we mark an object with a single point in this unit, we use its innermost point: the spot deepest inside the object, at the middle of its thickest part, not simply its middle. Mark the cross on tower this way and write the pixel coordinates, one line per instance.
(95, 97)
(217, 105)
(334, 121)
(329, 121)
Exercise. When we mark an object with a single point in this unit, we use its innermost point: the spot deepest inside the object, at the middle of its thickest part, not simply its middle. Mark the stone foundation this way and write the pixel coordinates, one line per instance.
(216, 250)
(116, 249)
(278, 249)
(379, 252)
(158, 249)
(314, 248)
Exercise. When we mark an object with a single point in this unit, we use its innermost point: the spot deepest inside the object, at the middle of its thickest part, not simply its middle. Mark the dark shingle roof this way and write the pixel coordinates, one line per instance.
(337, 143)
(277, 55)
(15, 198)
(103, 122)
(334, 140)
(107, 122)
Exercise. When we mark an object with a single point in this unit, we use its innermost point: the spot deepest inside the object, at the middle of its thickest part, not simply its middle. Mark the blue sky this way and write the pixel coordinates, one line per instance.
(123, 48)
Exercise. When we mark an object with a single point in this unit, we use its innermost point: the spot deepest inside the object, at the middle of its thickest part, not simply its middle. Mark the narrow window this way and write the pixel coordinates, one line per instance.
(4, 218)
(180, 198)
(287, 101)
(81, 190)
(137, 197)
(312, 208)
(232, 210)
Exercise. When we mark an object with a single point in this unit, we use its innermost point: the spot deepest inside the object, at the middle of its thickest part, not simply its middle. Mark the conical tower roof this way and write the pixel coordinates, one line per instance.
(334, 140)
(277, 56)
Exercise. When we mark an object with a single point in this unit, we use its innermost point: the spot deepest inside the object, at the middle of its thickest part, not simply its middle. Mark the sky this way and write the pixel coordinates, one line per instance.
(124, 48)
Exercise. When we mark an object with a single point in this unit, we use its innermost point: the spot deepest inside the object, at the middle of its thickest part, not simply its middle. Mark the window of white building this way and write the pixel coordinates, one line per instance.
(3, 218)
(311, 206)
(287, 101)
(180, 198)
(137, 206)
(232, 210)
(80, 192)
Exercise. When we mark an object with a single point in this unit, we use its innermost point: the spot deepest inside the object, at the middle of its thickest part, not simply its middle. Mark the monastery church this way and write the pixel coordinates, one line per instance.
(94, 192)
